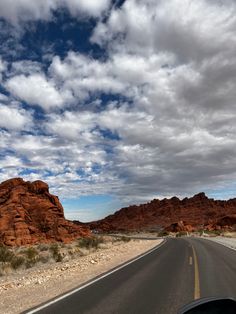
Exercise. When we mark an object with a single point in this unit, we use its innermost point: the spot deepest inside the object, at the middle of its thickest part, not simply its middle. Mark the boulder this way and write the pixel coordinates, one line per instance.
(29, 214)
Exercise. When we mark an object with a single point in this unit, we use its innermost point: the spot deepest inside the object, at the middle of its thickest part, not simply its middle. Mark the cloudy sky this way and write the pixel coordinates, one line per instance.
(117, 102)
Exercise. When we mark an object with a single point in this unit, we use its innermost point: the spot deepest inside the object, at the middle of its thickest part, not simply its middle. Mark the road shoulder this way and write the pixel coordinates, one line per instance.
(47, 284)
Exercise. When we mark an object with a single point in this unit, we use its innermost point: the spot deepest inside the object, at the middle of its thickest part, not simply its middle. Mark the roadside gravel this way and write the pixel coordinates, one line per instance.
(20, 292)
(229, 242)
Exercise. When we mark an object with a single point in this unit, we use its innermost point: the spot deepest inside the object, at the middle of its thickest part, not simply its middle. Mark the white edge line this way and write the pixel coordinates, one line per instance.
(93, 281)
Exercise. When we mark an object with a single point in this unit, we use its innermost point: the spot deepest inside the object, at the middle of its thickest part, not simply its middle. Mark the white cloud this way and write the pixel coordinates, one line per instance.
(3, 66)
(89, 7)
(14, 117)
(84, 76)
(25, 67)
(17, 11)
(35, 89)
(190, 29)
(72, 125)
(174, 63)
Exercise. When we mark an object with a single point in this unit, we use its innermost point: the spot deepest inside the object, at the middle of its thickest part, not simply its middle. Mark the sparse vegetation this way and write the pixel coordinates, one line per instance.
(17, 262)
(31, 254)
(163, 233)
(6, 255)
(56, 254)
(210, 232)
(121, 238)
(44, 258)
(19, 258)
(181, 234)
(43, 247)
(213, 232)
(89, 243)
(125, 239)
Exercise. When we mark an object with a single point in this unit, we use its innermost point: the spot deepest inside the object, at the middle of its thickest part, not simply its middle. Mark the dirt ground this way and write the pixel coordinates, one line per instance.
(24, 290)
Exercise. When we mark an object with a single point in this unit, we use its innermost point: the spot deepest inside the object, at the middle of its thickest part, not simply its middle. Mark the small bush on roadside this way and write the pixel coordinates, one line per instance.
(163, 233)
(55, 250)
(125, 239)
(6, 255)
(42, 247)
(31, 253)
(17, 262)
(31, 257)
(43, 259)
(89, 243)
(213, 232)
(181, 234)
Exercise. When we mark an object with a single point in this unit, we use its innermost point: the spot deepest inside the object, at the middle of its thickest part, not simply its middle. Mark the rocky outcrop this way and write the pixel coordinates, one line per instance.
(30, 214)
(189, 214)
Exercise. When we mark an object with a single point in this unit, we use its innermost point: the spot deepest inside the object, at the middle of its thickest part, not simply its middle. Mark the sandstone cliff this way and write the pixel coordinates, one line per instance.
(30, 214)
(195, 213)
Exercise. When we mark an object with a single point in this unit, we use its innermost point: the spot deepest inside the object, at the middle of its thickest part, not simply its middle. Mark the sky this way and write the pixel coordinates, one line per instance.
(119, 102)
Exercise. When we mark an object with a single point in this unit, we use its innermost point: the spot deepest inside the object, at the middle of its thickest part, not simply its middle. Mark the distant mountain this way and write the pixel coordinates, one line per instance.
(30, 214)
(189, 214)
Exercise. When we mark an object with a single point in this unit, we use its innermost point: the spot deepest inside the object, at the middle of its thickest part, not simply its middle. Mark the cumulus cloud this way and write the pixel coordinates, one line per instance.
(89, 7)
(170, 69)
(190, 30)
(14, 118)
(84, 76)
(36, 89)
(17, 11)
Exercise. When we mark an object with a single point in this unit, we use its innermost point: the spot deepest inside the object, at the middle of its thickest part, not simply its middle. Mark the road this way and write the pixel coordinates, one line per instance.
(161, 282)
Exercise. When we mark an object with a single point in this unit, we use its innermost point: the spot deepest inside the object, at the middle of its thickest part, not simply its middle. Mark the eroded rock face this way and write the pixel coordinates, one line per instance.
(30, 214)
(190, 214)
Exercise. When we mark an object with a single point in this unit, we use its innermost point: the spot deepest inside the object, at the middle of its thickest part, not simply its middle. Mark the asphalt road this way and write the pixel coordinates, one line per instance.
(161, 282)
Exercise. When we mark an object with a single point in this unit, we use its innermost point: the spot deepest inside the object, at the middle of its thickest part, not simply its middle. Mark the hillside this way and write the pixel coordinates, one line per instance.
(194, 213)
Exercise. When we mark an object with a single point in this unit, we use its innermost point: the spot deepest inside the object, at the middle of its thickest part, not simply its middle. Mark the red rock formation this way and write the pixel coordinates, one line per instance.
(30, 214)
(189, 214)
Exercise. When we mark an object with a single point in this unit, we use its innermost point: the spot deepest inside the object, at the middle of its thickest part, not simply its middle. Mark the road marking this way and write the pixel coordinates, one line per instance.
(190, 260)
(196, 276)
(35, 310)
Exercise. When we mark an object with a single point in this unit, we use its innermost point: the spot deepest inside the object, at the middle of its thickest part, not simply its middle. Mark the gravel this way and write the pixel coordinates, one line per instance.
(38, 285)
(229, 242)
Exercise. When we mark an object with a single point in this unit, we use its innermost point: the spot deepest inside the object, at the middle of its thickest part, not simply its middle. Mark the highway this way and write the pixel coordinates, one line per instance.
(179, 271)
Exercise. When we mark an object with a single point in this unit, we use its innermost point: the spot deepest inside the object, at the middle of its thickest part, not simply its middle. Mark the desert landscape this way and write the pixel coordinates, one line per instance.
(117, 156)
(43, 255)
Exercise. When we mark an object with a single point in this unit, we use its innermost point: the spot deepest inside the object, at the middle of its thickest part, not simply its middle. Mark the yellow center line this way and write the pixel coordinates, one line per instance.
(196, 276)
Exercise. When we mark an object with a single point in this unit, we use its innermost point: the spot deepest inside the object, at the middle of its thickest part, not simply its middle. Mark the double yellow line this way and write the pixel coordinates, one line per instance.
(196, 276)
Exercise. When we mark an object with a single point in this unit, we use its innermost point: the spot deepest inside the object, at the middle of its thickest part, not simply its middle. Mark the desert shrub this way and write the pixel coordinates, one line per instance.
(31, 256)
(6, 255)
(200, 231)
(163, 233)
(55, 250)
(17, 261)
(119, 239)
(181, 234)
(31, 253)
(42, 247)
(213, 232)
(89, 243)
(43, 259)
(70, 252)
(125, 239)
